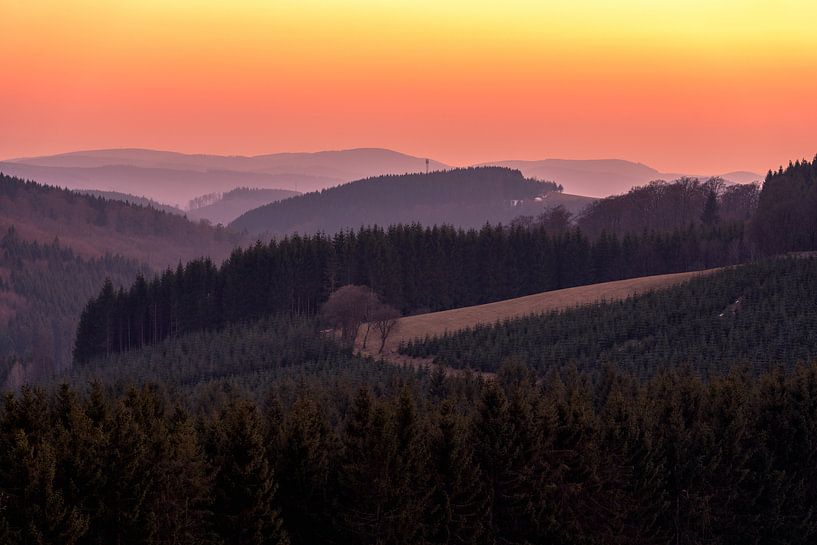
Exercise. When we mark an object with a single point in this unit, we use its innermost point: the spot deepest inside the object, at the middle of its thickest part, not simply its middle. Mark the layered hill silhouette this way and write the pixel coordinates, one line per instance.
(215, 208)
(603, 177)
(58, 246)
(94, 226)
(461, 197)
(176, 177)
(225, 207)
(133, 199)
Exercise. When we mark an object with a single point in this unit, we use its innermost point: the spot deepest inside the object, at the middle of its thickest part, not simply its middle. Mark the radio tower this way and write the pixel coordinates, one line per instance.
(426, 166)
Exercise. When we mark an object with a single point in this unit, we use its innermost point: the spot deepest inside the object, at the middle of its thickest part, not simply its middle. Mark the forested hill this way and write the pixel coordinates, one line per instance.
(58, 247)
(94, 226)
(415, 269)
(225, 207)
(133, 199)
(43, 289)
(467, 197)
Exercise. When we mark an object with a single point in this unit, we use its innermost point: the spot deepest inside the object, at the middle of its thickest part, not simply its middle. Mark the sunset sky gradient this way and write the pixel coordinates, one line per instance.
(695, 86)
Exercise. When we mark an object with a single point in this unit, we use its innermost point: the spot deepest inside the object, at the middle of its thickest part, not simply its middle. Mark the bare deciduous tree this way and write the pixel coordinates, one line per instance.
(348, 308)
(385, 319)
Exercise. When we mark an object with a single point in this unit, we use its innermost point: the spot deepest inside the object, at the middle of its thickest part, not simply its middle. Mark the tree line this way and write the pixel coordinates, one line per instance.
(574, 459)
(247, 357)
(412, 268)
(786, 218)
(665, 206)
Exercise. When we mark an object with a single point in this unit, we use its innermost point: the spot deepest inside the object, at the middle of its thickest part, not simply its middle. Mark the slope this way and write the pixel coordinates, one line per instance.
(434, 324)
(132, 199)
(252, 356)
(226, 207)
(57, 250)
(93, 226)
(754, 316)
(461, 197)
(43, 289)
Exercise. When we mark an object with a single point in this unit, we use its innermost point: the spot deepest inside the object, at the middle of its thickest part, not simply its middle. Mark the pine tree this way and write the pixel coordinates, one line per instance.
(180, 510)
(457, 510)
(244, 487)
(306, 469)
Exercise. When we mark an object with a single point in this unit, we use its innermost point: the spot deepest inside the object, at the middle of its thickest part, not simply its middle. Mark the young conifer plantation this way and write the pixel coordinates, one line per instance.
(759, 316)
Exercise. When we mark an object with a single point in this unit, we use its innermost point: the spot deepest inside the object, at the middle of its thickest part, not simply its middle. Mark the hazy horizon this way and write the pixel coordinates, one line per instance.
(483, 161)
(693, 86)
(173, 177)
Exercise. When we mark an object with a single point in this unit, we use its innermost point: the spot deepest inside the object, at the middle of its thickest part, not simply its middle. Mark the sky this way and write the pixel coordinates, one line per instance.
(698, 86)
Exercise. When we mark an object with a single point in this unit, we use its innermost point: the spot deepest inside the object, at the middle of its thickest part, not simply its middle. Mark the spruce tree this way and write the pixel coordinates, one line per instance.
(244, 487)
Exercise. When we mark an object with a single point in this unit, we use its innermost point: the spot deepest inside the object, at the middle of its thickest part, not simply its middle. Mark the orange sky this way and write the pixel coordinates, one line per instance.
(684, 85)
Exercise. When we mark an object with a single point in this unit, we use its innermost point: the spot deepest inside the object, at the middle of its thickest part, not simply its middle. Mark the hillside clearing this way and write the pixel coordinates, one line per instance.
(438, 323)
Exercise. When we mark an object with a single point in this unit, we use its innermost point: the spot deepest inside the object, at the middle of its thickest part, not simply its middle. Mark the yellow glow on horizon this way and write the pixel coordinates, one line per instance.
(725, 83)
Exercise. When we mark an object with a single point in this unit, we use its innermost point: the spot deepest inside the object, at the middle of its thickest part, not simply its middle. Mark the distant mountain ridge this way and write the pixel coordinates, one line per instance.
(176, 177)
(173, 177)
(605, 177)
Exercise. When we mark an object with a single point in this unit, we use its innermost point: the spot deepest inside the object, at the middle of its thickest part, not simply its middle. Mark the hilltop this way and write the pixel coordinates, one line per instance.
(462, 197)
(664, 206)
(178, 177)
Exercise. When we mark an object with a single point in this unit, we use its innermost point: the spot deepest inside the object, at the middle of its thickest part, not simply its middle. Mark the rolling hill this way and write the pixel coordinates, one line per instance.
(177, 177)
(224, 208)
(434, 324)
(132, 199)
(753, 317)
(462, 197)
(95, 226)
(43, 289)
(603, 177)
(56, 251)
